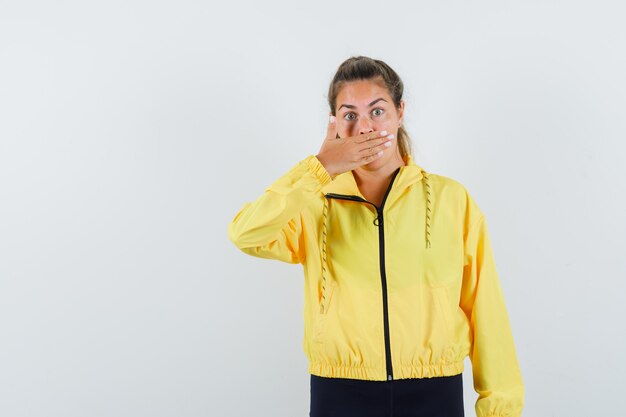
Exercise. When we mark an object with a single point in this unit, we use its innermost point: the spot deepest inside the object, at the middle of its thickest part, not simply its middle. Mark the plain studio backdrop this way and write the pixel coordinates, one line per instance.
(133, 131)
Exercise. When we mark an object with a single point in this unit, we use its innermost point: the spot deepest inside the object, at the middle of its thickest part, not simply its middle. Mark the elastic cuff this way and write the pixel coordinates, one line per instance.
(315, 166)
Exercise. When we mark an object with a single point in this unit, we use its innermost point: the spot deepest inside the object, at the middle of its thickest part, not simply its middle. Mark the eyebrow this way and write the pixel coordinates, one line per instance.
(370, 105)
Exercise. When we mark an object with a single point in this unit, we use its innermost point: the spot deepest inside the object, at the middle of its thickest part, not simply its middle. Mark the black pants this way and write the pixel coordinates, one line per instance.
(416, 397)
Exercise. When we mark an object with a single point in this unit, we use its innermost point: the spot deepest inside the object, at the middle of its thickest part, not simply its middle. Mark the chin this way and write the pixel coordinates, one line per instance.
(376, 163)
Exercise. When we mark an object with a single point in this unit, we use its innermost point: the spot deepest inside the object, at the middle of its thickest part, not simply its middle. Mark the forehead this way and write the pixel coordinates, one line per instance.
(361, 93)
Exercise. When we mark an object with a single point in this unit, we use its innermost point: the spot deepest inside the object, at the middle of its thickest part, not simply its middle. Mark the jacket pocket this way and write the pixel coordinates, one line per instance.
(322, 314)
(443, 305)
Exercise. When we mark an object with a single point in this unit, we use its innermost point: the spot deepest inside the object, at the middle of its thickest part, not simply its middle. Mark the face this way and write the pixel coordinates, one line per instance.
(365, 106)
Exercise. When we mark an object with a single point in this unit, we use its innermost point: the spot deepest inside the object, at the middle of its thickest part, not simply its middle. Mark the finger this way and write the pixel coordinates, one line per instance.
(376, 145)
(379, 143)
(372, 156)
(371, 135)
(331, 131)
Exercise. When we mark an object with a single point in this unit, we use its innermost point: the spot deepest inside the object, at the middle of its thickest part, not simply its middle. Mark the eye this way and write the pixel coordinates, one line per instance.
(350, 113)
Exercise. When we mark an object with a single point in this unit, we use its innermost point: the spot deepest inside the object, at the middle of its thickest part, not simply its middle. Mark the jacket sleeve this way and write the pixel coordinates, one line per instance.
(496, 372)
(271, 226)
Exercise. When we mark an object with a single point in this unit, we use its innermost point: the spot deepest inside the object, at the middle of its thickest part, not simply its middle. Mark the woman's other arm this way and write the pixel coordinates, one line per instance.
(496, 372)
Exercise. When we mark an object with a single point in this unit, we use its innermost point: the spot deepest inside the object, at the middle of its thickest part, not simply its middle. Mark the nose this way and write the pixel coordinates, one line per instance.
(365, 125)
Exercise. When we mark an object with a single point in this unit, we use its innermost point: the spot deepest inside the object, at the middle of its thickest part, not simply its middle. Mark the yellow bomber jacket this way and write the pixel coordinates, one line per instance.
(404, 290)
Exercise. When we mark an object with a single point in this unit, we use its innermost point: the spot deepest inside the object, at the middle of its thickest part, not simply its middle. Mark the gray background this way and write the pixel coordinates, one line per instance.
(132, 132)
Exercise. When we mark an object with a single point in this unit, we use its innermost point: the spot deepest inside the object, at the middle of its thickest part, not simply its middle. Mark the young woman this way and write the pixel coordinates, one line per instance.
(400, 279)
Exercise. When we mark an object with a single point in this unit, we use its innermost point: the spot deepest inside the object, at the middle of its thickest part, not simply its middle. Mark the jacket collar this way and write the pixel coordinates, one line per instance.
(345, 183)
(409, 174)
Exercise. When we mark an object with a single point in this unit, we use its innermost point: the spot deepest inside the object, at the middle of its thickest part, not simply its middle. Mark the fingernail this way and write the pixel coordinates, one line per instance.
(391, 136)
(387, 144)
(331, 119)
(383, 133)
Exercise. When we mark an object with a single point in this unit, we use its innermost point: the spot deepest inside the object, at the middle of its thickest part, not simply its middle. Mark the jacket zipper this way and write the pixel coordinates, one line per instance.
(381, 247)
